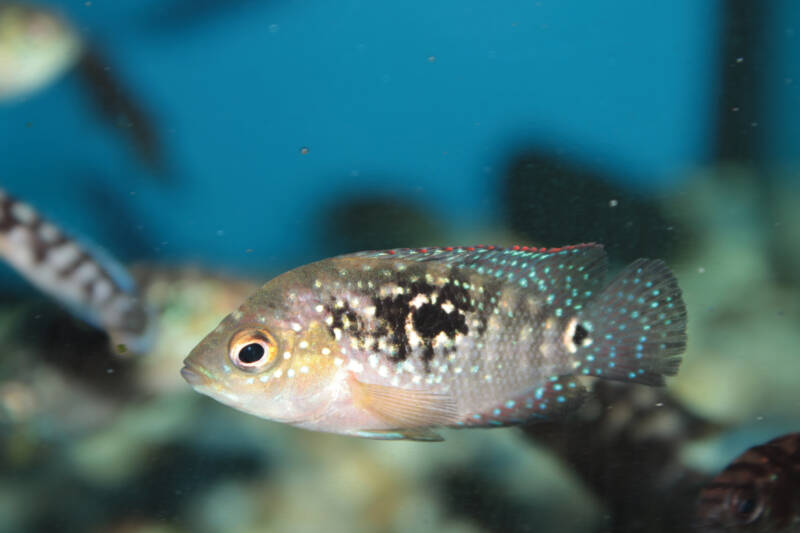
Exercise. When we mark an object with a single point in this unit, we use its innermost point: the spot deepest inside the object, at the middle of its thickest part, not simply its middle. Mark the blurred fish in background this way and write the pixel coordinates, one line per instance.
(89, 282)
(626, 444)
(38, 46)
(758, 492)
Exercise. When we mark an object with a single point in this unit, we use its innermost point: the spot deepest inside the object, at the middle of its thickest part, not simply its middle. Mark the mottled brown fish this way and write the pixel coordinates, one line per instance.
(390, 344)
(759, 492)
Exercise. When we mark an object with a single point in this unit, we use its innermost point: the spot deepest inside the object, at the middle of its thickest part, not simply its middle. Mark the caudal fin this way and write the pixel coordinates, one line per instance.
(635, 329)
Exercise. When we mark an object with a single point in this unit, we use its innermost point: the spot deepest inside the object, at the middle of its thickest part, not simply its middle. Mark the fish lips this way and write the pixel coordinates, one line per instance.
(193, 377)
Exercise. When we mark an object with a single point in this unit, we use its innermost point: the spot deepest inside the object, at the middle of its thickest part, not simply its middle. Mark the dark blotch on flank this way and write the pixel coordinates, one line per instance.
(339, 315)
(428, 321)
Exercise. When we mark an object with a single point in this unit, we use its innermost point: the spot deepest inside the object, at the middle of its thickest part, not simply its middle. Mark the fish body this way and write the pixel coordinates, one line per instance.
(36, 46)
(391, 344)
(88, 282)
(758, 492)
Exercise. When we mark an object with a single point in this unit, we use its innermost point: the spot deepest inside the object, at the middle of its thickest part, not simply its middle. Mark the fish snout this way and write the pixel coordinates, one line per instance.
(193, 377)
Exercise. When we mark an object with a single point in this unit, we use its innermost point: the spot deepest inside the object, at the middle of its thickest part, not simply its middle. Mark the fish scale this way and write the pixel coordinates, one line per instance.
(415, 339)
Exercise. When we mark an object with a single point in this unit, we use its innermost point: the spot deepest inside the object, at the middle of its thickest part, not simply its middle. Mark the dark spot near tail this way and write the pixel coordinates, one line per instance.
(580, 335)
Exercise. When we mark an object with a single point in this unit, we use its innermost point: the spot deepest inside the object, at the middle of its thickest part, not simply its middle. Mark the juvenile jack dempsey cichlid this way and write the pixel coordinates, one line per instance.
(392, 344)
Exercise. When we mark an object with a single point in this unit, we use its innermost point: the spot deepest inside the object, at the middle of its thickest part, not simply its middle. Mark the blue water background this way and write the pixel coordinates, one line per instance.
(421, 100)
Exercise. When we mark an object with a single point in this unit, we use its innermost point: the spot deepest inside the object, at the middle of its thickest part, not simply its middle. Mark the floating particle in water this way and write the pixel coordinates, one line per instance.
(304, 150)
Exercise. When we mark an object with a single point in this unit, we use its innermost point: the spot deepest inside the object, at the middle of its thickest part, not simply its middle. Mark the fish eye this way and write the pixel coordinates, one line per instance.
(252, 349)
(747, 506)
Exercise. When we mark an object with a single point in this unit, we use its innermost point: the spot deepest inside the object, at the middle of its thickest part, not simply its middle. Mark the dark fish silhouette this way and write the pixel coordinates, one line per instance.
(625, 445)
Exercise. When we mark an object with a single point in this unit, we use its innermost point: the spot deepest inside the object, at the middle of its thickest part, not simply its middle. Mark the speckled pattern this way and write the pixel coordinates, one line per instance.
(468, 336)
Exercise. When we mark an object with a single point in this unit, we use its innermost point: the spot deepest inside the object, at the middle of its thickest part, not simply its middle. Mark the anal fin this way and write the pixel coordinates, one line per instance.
(552, 399)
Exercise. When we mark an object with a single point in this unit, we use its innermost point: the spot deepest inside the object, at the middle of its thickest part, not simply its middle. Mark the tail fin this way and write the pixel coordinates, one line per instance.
(636, 328)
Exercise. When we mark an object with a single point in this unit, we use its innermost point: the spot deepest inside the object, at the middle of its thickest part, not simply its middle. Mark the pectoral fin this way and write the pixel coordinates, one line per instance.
(403, 408)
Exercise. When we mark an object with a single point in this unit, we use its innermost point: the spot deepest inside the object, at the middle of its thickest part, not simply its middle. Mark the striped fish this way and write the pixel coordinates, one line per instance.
(758, 492)
(86, 281)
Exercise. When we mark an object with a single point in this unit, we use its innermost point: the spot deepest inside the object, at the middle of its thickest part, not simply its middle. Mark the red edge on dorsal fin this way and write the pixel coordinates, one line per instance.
(525, 248)
(515, 247)
(555, 249)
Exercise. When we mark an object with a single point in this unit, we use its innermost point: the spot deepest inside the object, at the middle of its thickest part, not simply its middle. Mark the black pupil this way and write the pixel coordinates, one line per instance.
(746, 506)
(251, 353)
(580, 335)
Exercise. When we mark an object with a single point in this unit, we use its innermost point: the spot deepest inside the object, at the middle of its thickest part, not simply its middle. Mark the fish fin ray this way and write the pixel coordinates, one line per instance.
(567, 276)
(637, 326)
(556, 397)
(404, 408)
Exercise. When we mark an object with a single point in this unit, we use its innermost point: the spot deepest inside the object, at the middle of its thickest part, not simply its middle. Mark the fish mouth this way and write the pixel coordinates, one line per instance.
(193, 377)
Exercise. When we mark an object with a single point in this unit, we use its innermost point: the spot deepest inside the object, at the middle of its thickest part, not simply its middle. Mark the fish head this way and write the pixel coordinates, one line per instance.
(741, 507)
(272, 357)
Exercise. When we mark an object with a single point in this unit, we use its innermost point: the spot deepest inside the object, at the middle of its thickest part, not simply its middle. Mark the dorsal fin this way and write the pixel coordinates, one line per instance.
(566, 276)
